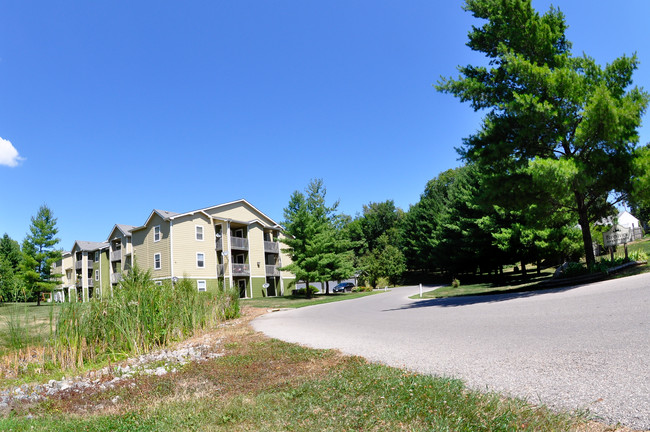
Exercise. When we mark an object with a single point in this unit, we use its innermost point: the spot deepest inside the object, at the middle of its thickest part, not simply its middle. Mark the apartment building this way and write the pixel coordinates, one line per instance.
(226, 245)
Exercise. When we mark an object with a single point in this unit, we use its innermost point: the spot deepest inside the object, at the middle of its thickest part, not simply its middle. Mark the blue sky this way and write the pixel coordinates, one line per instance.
(111, 109)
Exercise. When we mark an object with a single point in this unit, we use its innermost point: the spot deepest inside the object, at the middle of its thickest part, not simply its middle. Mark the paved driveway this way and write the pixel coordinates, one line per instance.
(585, 347)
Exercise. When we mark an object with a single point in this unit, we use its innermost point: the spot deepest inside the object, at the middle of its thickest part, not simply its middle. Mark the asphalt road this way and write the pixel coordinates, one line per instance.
(572, 348)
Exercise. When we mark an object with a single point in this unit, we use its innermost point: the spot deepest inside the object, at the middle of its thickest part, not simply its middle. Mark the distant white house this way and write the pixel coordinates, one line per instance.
(627, 220)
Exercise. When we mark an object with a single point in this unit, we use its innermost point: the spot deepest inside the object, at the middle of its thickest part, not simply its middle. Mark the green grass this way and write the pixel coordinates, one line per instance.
(301, 301)
(511, 282)
(23, 324)
(268, 385)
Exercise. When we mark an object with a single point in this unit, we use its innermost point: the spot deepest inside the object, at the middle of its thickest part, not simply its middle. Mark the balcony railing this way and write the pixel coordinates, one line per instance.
(238, 243)
(272, 270)
(219, 243)
(241, 269)
(220, 271)
(116, 278)
(116, 255)
(271, 247)
(78, 265)
(91, 282)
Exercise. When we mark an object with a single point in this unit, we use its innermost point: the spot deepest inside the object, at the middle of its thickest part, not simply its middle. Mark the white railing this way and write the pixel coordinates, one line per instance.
(116, 278)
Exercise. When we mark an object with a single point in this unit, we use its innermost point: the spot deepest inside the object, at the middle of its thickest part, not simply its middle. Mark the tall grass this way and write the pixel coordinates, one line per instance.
(139, 317)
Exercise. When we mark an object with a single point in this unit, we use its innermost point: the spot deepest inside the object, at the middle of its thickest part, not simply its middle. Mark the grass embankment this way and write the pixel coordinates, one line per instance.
(301, 301)
(264, 384)
(512, 282)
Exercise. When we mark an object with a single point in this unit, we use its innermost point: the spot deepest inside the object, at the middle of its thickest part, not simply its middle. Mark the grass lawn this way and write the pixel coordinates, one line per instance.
(511, 282)
(26, 318)
(300, 301)
(262, 384)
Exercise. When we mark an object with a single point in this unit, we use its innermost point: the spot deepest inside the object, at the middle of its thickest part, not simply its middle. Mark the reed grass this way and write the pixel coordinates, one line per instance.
(139, 317)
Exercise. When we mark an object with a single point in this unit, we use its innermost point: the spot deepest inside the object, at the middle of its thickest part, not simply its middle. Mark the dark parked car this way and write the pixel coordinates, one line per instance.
(343, 287)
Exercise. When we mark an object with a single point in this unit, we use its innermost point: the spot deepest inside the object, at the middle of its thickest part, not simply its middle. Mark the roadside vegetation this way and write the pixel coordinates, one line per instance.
(138, 318)
(264, 384)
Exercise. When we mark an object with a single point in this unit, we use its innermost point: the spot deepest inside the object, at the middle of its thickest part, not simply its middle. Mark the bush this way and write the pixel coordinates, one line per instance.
(362, 289)
(302, 291)
(455, 283)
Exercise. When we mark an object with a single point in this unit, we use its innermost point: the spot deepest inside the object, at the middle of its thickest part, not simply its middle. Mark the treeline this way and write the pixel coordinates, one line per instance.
(25, 269)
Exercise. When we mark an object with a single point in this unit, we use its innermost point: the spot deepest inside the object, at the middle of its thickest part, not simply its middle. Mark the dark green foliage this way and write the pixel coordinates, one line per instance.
(39, 253)
(553, 120)
(11, 283)
(318, 249)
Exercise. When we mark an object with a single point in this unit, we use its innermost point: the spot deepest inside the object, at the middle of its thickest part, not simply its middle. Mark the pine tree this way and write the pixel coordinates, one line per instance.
(39, 253)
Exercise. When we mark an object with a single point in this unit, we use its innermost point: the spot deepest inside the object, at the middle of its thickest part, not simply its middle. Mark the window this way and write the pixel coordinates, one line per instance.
(239, 233)
(156, 262)
(96, 275)
(199, 233)
(96, 256)
(200, 259)
(239, 259)
(200, 285)
(156, 233)
(159, 283)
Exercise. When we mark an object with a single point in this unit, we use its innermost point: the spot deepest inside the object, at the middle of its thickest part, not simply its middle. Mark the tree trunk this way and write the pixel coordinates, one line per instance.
(523, 268)
(307, 290)
(583, 219)
(38, 298)
(539, 267)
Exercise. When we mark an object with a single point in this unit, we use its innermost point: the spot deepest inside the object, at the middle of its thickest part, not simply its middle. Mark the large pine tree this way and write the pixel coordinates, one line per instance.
(39, 253)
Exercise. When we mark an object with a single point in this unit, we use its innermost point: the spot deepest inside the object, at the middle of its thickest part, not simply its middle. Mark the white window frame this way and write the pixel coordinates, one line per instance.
(236, 259)
(159, 261)
(198, 285)
(158, 283)
(197, 260)
(156, 233)
(96, 275)
(96, 256)
(237, 231)
(198, 228)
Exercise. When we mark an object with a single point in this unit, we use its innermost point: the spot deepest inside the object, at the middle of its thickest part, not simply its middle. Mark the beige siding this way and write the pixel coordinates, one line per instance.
(256, 250)
(239, 211)
(145, 248)
(186, 247)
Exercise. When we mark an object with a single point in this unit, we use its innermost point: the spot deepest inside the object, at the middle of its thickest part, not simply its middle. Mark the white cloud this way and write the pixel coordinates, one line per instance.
(8, 154)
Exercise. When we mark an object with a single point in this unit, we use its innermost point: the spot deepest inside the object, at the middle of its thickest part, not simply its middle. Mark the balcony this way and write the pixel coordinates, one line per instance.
(238, 243)
(241, 269)
(78, 265)
(272, 270)
(91, 282)
(219, 243)
(220, 270)
(116, 255)
(271, 247)
(116, 278)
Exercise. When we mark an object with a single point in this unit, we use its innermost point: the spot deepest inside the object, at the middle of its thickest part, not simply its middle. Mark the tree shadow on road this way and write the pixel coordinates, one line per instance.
(481, 298)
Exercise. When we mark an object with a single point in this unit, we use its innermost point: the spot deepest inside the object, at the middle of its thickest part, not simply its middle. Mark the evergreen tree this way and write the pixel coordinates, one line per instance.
(317, 249)
(39, 253)
(561, 118)
(10, 259)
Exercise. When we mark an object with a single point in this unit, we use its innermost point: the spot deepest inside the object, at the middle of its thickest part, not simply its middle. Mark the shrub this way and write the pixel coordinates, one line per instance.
(455, 283)
(362, 289)
(302, 291)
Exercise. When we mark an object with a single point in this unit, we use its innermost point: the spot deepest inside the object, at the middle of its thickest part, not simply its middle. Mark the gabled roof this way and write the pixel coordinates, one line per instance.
(166, 215)
(242, 201)
(124, 229)
(89, 246)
